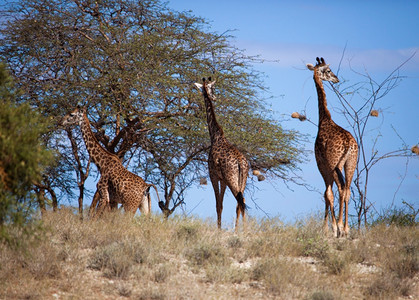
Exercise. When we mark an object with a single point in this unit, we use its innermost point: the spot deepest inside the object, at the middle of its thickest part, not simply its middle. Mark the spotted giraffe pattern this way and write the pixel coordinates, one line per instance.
(227, 165)
(335, 149)
(116, 184)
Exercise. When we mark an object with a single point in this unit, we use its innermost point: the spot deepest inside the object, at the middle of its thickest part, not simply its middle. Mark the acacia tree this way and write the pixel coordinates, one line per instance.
(133, 65)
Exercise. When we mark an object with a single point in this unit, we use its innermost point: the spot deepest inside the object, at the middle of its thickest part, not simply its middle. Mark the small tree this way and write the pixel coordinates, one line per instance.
(370, 92)
(23, 157)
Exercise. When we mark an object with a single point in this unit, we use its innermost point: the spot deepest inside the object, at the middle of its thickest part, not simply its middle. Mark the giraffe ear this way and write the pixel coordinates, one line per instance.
(310, 67)
(81, 107)
(211, 84)
(198, 86)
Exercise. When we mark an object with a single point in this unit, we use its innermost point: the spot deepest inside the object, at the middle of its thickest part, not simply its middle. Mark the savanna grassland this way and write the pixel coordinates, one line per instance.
(117, 257)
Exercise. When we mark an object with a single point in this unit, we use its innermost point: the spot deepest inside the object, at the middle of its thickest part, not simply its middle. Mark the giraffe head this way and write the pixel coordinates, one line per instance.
(323, 71)
(207, 88)
(75, 117)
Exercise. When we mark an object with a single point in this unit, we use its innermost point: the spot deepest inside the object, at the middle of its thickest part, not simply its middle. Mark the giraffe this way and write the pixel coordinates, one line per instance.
(335, 149)
(227, 165)
(116, 184)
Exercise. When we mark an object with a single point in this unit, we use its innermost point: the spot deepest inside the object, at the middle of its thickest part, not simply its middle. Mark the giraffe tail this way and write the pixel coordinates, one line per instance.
(340, 176)
(240, 201)
(157, 193)
(239, 197)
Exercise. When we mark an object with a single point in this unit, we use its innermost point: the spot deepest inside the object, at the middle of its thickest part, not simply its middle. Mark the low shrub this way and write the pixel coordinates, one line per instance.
(117, 259)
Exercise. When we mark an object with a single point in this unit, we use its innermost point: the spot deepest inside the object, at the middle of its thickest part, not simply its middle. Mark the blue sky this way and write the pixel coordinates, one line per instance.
(379, 36)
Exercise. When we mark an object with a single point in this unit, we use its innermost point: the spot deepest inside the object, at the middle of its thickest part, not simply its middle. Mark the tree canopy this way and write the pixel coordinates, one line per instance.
(132, 64)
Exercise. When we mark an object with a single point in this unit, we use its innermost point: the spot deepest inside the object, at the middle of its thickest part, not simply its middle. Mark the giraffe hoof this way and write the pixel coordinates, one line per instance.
(342, 233)
(335, 231)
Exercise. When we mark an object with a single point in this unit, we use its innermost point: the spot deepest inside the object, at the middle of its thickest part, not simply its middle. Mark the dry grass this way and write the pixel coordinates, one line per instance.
(185, 258)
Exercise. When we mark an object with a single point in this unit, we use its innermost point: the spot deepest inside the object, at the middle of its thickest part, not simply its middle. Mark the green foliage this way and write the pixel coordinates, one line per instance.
(400, 216)
(22, 156)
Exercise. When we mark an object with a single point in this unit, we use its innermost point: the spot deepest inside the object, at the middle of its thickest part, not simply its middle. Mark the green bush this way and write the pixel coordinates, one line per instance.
(401, 216)
(23, 157)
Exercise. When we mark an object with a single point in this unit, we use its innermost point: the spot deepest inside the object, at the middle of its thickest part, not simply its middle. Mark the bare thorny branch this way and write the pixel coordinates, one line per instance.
(358, 120)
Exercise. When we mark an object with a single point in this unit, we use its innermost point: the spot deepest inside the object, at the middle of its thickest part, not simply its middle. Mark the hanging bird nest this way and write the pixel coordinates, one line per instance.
(374, 113)
(257, 173)
(261, 177)
(203, 181)
(296, 115)
(415, 149)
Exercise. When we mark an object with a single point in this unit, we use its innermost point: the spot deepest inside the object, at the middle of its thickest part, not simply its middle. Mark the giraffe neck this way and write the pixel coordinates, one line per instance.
(214, 129)
(321, 95)
(98, 154)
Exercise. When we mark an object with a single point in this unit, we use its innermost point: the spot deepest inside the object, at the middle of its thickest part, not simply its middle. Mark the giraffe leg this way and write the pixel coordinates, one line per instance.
(343, 227)
(326, 213)
(244, 213)
(149, 203)
(93, 205)
(102, 187)
(237, 217)
(347, 196)
(340, 232)
(243, 172)
(145, 206)
(350, 166)
(329, 200)
(218, 197)
(220, 203)
(340, 183)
